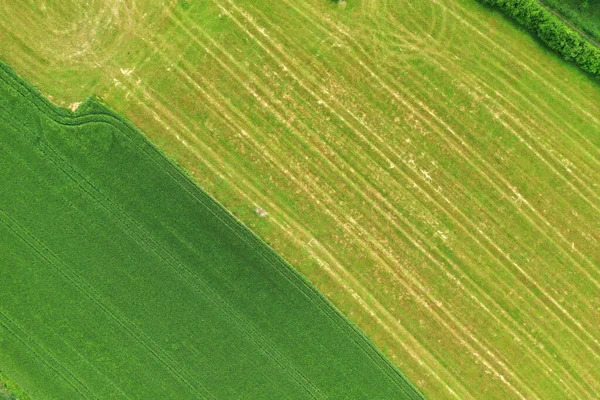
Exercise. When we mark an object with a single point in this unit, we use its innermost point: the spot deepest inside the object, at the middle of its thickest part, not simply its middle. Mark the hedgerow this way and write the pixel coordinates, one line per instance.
(551, 30)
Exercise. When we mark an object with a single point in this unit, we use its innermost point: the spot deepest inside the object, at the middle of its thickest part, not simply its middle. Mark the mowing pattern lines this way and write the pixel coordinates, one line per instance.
(428, 167)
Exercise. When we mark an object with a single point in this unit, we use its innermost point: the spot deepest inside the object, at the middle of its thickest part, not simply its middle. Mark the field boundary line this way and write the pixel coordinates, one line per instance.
(211, 297)
(236, 228)
(444, 210)
(223, 9)
(438, 318)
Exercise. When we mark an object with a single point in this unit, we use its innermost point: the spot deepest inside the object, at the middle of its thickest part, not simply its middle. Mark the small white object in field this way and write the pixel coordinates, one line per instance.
(74, 106)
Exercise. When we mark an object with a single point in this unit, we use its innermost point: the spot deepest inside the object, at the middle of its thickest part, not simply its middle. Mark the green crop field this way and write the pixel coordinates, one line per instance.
(122, 279)
(428, 165)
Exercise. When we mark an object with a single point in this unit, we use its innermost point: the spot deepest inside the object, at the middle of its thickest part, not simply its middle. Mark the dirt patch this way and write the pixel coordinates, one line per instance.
(74, 106)
(261, 212)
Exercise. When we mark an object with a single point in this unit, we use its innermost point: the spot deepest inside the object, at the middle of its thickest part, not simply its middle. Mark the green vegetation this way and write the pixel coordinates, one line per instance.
(9, 390)
(6, 393)
(553, 31)
(430, 167)
(583, 14)
(122, 279)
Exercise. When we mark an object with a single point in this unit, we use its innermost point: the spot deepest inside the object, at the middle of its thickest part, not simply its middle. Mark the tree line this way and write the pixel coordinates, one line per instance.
(551, 30)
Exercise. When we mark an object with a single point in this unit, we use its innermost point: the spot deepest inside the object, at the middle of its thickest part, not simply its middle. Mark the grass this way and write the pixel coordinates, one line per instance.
(428, 166)
(10, 391)
(122, 279)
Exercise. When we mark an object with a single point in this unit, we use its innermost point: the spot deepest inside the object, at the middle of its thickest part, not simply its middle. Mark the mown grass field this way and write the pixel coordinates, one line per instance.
(122, 279)
(428, 165)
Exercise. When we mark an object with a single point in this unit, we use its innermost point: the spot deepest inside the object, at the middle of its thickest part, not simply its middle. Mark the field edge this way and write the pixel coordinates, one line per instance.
(94, 105)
